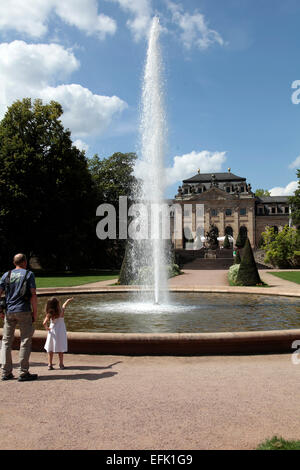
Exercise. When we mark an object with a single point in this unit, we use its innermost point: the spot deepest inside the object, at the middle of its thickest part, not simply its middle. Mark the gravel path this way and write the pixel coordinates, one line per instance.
(117, 402)
(120, 402)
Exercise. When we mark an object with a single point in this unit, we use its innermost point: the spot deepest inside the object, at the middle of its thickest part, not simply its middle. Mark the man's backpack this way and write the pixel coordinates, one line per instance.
(24, 290)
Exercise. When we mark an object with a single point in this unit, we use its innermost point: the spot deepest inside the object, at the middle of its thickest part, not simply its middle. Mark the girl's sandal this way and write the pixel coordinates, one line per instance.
(61, 366)
(50, 367)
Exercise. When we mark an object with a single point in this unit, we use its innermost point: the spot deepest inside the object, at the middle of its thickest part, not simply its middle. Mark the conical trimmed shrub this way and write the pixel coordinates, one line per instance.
(226, 243)
(248, 272)
(239, 241)
(237, 258)
(126, 273)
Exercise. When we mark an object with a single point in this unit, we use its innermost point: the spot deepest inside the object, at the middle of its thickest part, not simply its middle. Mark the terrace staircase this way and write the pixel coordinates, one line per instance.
(206, 259)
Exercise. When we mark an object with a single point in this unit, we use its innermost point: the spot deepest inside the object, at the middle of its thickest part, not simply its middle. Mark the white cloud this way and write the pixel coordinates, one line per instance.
(141, 10)
(84, 15)
(31, 70)
(195, 30)
(186, 165)
(288, 190)
(35, 64)
(31, 16)
(25, 17)
(295, 163)
(84, 113)
(81, 145)
(25, 69)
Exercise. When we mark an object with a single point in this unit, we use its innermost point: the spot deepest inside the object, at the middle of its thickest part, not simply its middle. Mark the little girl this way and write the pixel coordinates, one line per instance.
(56, 341)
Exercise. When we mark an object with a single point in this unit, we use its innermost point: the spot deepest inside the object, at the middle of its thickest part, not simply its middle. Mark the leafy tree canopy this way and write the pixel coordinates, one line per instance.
(262, 192)
(280, 247)
(295, 203)
(113, 176)
(45, 186)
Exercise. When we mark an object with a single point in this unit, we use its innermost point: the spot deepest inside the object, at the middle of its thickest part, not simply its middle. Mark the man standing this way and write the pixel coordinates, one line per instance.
(20, 293)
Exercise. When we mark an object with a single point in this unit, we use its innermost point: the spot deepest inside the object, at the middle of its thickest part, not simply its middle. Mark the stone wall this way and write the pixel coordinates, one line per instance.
(263, 221)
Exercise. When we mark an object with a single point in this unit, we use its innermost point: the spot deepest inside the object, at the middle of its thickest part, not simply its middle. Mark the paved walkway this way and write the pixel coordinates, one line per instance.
(192, 278)
(206, 277)
(117, 402)
(275, 281)
(121, 402)
(214, 278)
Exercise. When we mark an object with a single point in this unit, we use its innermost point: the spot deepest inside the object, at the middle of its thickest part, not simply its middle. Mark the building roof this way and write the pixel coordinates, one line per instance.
(207, 177)
(270, 199)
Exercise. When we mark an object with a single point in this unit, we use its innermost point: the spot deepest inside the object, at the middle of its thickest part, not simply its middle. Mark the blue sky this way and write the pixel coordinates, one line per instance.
(229, 70)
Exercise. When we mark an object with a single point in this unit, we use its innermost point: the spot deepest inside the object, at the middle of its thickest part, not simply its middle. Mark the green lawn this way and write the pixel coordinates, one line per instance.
(70, 280)
(293, 276)
(278, 443)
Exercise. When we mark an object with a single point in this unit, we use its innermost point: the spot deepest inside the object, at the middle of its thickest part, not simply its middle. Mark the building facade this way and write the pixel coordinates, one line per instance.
(230, 206)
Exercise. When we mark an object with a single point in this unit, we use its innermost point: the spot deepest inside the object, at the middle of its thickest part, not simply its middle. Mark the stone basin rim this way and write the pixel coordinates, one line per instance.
(42, 292)
(174, 344)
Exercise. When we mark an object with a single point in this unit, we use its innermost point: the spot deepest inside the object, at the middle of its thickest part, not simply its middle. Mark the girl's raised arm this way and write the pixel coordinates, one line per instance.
(66, 303)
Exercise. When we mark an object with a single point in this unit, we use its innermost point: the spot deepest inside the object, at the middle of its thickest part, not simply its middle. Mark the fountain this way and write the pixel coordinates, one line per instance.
(190, 322)
(150, 255)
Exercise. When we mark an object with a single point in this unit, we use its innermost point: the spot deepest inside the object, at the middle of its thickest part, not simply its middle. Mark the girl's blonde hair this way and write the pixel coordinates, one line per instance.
(53, 308)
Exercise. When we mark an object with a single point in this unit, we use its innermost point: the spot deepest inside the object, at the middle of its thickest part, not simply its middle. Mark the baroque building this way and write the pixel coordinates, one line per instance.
(230, 206)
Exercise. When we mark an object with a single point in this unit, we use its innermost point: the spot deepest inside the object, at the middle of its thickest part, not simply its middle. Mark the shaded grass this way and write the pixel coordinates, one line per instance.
(72, 279)
(293, 276)
(278, 443)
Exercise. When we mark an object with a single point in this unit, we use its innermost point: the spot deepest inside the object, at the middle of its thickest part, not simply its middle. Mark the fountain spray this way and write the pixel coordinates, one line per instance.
(153, 150)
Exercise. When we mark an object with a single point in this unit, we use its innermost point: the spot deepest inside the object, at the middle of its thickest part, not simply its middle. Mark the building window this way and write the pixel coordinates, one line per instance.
(214, 212)
(228, 212)
(260, 211)
(228, 189)
(273, 210)
(286, 210)
(242, 189)
(243, 211)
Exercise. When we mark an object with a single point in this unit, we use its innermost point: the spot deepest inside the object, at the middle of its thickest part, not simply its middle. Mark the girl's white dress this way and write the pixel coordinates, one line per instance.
(57, 336)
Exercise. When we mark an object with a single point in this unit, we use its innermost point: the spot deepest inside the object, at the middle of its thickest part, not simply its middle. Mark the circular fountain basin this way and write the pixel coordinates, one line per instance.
(183, 313)
(193, 323)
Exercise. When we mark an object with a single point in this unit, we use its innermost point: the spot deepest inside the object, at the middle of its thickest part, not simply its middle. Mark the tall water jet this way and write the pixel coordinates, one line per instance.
(150, 255)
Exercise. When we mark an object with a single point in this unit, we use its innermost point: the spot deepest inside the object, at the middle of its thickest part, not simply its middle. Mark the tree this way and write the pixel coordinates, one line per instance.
(237, 258)
(126, 276)
(248, 272)
(241, 238)
(262, 192)
(226, 242)
(295, 203)
(280, 247)
(212, 237)
(46, 191)
(113, 177)
(239, 241)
